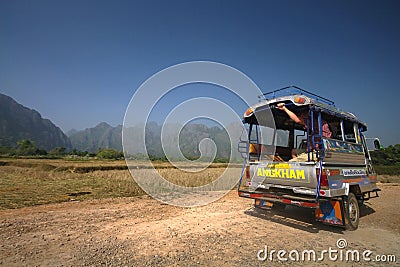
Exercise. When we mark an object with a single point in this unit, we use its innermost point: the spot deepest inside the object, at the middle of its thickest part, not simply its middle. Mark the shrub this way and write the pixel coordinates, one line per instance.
(109, 153)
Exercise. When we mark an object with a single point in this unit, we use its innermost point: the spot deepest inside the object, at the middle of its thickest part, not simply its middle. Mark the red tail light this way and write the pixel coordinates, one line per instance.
(324, 179)
(248, 172)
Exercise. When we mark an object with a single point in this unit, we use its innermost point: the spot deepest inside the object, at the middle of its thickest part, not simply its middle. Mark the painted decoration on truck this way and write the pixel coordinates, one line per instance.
(329, 212)
(284, 171)
(341, 146)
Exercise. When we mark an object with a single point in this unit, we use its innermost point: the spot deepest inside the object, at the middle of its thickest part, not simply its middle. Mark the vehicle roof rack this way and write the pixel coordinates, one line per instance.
(295, 90)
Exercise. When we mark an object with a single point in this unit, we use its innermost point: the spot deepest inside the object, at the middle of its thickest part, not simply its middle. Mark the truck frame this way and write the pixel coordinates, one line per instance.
(287, 163)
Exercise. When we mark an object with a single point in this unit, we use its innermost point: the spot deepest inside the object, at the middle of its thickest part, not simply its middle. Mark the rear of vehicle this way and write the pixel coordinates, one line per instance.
(287, 163)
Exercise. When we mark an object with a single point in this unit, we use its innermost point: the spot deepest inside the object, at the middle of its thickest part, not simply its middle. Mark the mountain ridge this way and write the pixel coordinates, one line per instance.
(101, 136)
(105, 136)
(18, 122)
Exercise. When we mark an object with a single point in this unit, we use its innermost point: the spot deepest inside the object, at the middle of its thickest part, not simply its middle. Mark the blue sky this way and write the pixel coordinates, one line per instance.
(79, 62)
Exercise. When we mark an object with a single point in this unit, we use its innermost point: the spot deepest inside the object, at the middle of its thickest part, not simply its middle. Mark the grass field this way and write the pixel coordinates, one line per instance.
(29, 182)
(21, 186)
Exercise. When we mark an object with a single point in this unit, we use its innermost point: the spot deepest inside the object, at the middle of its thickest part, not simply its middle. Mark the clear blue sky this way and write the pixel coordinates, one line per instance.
(79, 62)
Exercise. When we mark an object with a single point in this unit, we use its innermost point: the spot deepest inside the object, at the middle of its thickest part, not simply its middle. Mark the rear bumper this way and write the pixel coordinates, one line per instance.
(301, 201)
(327, 210)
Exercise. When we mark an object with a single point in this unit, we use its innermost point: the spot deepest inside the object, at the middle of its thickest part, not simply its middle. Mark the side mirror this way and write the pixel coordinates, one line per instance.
(377, 144)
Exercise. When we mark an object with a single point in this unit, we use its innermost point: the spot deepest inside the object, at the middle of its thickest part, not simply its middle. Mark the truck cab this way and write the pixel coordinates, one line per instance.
(317, 158)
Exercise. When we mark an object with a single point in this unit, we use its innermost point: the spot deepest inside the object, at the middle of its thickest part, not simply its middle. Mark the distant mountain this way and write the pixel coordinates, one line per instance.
(71, 132)
(192, 138)
(101, 136)
(106, 136)
(18, 122)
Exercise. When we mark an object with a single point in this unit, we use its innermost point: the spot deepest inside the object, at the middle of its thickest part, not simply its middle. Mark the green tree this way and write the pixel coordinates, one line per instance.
(27, 148)
(58, 151)
(109, 153)
(7, 151)
(78, 152)
(387, 156)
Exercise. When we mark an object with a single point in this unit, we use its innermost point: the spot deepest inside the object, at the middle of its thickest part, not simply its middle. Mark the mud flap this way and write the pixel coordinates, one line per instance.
(330, 212)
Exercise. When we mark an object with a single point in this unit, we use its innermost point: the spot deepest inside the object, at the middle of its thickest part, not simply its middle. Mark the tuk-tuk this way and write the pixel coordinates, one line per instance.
(302, 150)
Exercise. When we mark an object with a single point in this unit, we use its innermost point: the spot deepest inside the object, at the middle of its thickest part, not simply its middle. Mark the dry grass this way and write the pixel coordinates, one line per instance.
(21, 186)
(83, 166)
(28, 182)
(191, 179)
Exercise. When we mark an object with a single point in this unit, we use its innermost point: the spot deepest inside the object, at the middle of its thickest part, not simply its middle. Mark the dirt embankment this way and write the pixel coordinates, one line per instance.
(140, 231)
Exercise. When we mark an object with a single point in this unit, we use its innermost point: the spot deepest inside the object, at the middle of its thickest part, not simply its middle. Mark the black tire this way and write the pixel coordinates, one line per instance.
(360, 200)
(352, 212)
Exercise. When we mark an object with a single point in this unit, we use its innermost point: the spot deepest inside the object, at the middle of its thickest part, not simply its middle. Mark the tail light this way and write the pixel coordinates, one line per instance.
(324, 179)
(247, 172)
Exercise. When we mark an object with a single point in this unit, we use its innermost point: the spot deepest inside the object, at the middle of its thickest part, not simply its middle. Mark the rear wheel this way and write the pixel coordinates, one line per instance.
(352, 212)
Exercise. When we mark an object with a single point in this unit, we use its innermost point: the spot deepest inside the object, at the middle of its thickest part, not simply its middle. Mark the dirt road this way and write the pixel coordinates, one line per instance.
(140, 231)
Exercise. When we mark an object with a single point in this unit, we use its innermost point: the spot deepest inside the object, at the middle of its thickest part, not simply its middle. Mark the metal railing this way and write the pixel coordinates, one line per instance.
(295, 90)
